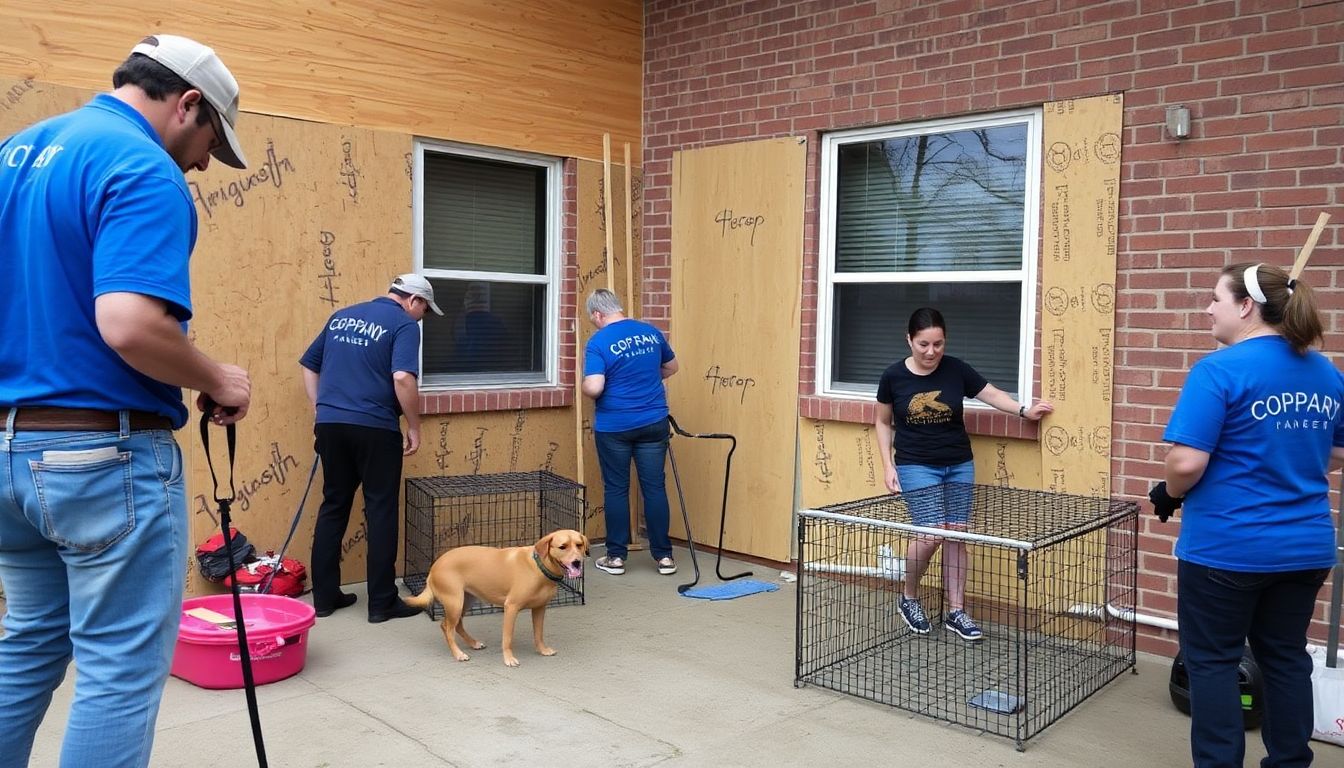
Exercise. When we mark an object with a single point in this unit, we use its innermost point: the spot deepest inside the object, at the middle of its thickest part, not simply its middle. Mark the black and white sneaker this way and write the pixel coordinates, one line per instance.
(959, 622)
(913, 614)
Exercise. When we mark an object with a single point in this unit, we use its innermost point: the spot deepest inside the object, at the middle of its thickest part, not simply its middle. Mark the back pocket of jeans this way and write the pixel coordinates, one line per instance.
(85, 497)
(1240, 579)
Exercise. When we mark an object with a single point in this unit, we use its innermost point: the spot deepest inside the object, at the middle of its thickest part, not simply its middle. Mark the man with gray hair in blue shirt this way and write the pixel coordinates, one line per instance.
(624, 365)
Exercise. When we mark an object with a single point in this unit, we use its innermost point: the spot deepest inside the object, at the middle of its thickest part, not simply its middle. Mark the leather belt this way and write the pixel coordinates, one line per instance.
(48, 419)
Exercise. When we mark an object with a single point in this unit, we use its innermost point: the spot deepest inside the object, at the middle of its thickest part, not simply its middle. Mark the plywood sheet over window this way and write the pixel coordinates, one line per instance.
(1081, 181)
(737, 225)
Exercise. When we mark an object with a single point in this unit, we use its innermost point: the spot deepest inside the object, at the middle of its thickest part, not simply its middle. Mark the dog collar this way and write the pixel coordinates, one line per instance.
(537, 559)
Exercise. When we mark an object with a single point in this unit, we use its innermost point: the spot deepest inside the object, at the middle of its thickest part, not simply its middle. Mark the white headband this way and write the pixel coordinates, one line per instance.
(1253, 284)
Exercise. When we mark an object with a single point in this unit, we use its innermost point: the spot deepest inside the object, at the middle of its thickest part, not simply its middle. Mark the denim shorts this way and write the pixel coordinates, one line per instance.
(937, 496)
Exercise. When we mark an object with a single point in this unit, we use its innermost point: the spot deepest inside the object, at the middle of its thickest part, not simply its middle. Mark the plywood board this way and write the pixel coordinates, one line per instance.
(737, 225)
(1081, 180)
(321, 220)
(591, 253)
(530, 75)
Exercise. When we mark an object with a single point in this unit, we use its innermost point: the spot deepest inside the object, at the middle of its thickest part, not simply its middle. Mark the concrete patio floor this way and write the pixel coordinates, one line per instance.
(643, 677)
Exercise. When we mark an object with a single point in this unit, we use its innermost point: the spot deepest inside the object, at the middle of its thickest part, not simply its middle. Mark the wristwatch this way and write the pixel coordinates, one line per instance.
(1022, 411)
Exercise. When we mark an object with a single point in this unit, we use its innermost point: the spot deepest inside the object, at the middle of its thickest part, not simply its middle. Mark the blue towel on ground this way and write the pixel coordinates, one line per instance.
(731, 589)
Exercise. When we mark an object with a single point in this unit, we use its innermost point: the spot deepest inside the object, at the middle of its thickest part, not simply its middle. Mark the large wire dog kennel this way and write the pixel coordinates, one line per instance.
(509, 509)
(1051, 580)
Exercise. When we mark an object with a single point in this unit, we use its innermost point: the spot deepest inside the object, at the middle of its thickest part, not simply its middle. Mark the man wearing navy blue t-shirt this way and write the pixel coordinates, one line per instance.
(96, 227)
(361, 373)
(624, 365)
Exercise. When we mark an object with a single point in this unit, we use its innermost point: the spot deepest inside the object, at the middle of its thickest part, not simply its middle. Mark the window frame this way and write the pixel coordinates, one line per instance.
(828, 277)
(554, 211)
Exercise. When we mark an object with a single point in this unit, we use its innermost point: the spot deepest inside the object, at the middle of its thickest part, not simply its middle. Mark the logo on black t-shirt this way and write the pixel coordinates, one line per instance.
(925, 408)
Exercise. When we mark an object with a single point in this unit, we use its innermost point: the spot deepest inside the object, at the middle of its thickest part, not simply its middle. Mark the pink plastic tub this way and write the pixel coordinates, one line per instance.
(277, 636)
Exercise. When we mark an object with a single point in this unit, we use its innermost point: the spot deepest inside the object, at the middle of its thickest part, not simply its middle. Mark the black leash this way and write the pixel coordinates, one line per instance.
(231, 436)
(265, 586)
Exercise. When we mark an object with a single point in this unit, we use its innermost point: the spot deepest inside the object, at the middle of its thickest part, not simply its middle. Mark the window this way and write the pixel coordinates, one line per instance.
(487, 237)
(940, 214)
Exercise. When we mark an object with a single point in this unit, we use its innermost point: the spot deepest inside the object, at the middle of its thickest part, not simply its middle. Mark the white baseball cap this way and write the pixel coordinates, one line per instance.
(415, 285)
(202, 69)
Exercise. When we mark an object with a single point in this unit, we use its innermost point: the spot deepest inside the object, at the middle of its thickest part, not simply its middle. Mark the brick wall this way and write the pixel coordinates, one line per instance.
(1264, 80)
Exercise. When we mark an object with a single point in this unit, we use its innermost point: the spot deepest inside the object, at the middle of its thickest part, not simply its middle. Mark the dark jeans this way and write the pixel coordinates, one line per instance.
(1218, 611)
(647, 445)
(353, 456)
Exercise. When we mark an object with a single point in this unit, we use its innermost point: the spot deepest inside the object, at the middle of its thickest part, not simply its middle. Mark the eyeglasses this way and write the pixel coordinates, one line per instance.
(215, 125)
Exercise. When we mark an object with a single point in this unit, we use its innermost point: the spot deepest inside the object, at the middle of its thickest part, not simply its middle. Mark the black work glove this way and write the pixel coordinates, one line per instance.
(1163, 504)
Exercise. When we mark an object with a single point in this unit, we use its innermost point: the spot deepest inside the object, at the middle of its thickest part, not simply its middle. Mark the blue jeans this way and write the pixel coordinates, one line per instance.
(647, 445)
(937, 496)
(1218, 611)
(93, 555)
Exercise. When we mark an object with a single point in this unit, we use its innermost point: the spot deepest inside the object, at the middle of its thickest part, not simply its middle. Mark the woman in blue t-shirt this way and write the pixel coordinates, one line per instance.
(926, 455)
(1255, 431)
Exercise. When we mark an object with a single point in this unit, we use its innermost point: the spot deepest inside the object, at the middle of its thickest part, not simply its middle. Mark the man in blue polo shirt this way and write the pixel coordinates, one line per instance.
(624, 365)
(361, 373)
(96, 227)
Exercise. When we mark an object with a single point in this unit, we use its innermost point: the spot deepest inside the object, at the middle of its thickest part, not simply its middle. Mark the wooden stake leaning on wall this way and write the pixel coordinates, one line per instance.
(606, 204)
(607, 222)
(1315, 235)
(578, 379)
(634, 233)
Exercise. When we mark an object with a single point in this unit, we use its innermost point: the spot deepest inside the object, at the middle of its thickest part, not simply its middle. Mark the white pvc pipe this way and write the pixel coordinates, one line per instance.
(1146, 619)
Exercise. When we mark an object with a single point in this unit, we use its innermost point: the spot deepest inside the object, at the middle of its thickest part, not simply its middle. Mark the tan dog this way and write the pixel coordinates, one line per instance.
(514, 577)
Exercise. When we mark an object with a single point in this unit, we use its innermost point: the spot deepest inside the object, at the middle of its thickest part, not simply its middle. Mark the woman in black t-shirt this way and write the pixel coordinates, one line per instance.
(926, 456)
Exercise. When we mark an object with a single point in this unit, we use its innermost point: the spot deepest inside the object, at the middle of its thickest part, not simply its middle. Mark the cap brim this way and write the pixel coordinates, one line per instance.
(436, 309)
(230, 152)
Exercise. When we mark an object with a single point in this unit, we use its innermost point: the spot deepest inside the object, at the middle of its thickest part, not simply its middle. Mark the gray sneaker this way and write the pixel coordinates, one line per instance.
(667, 566)
(612, 565)
(914, 616)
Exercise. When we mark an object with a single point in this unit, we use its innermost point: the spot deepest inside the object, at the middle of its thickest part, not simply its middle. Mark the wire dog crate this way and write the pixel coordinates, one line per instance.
(1051, 581)
(510, 509)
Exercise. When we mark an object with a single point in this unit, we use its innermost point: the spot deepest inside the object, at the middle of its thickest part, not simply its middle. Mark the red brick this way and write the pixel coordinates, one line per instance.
(1198, 185)
(1316, 76)
(1332, 176)
(1225, 201)
(1279, 41)
(1262, 179)
(1219, 49)
(1303, 158)
(1153, 280)
(1234, 163)
(1308, 118)
(1224, 239)
(1149, 78)
(1274, 102)
(1295, 197)
(1220, 30)
(1002, 32)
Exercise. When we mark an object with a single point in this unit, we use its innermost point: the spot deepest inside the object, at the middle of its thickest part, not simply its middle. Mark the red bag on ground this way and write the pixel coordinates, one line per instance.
(289, 578)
